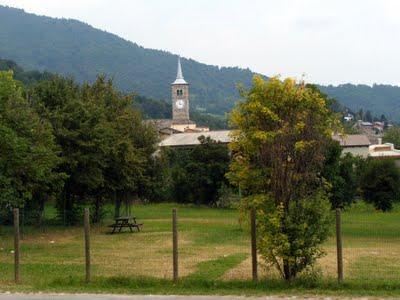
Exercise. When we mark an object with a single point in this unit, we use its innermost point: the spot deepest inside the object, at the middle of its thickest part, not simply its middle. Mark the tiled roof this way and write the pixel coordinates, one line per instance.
(223, 136)
(192, 138)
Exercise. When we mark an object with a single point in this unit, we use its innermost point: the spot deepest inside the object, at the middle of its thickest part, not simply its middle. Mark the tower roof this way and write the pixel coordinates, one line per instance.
(179, 77)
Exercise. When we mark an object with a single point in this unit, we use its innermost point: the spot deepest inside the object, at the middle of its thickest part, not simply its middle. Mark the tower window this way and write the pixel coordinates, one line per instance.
(179, 92)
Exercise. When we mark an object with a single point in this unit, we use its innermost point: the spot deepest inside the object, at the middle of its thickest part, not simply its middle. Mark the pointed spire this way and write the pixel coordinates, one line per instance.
(179, 72)
(179, 77)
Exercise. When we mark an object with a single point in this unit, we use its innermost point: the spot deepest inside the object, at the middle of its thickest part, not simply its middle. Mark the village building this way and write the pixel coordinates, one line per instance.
(355, 144)
(348, 118)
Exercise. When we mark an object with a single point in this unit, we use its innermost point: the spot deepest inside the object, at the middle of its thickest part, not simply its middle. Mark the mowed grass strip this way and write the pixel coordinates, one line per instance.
(214, 269)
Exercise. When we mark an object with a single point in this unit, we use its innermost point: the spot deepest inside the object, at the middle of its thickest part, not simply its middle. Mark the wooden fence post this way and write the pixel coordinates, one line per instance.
(175, 244)
(339, 246)
(253, 243)
(16, 246)
(86, 222)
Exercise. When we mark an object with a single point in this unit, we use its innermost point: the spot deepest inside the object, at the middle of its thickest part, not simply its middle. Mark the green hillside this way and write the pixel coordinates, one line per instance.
(379, 98)
(70, 47)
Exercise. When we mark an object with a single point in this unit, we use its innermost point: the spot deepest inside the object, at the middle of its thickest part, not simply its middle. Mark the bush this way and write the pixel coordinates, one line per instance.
(227, 197)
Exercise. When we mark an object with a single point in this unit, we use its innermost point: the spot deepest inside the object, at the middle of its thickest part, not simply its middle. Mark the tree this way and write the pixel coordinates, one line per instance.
(368, 116)
(28, 153)
(199, 172)
(279, 147)
(105, 147)
(380, 183)
(360, 114)
(207, 167)
(392, 136)
(340, 173)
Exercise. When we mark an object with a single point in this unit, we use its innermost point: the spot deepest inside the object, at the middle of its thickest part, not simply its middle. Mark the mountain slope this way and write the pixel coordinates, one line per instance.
(70, 47)
(379, 99)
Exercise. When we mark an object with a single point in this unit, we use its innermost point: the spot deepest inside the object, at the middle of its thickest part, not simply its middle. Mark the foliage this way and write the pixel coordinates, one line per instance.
(28, 153)
(105, 147)
(26, 77)
(228, 197)
(278, 155)
(340, 172)
(290, 237)
(380, 183)
(197, 173)
(392, 136)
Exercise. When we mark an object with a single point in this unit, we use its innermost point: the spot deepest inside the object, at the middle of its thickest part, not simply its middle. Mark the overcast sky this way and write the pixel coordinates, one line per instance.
(327, 41)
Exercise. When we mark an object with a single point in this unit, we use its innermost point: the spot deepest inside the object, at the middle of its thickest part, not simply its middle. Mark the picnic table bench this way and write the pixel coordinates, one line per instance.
(121, 222)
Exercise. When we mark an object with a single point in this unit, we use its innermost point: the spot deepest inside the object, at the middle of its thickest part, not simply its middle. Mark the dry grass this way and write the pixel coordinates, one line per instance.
(205, 235)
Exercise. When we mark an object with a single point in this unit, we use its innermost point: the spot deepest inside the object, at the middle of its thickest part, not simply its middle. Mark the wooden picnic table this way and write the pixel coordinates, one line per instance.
(121, 222)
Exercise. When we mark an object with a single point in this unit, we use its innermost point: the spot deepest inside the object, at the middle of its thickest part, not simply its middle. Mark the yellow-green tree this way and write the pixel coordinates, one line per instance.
(281, 133)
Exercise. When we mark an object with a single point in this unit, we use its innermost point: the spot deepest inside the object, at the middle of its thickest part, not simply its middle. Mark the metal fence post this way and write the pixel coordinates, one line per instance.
(175, 244)
(339, 246)
(16, 246)
(87, 243)
(253, 244)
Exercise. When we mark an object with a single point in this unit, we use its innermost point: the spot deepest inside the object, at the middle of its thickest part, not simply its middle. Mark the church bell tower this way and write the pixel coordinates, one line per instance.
(180, 96)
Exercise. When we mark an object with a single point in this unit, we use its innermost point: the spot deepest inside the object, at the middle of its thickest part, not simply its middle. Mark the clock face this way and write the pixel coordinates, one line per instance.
(180, 103)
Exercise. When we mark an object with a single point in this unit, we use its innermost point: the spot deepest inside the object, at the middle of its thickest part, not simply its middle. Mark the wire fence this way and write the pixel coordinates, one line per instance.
(207, 247)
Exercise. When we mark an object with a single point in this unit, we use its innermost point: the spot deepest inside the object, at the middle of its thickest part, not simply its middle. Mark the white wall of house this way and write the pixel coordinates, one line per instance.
(357, 151)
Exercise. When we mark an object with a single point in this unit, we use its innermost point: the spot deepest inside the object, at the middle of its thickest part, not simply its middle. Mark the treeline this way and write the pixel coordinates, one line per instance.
(26, 77)
(197, 175)
(73, 145)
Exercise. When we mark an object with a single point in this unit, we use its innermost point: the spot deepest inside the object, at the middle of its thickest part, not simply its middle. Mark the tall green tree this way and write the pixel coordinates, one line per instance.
(380, 183)
(199, 172)
(392, 136)
(28, 153)
(368, 116)
(340, 173)
(279, 147)
(105, 146)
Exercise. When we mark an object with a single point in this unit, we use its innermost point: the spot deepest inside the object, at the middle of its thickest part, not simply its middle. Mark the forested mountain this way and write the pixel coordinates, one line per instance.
(379, 98)
(70, 47)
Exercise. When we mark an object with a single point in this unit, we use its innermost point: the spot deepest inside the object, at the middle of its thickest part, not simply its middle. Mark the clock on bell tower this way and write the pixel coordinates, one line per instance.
(180, 96)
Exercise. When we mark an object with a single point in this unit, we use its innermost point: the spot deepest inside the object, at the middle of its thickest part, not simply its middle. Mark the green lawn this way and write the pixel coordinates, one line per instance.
(214, 256)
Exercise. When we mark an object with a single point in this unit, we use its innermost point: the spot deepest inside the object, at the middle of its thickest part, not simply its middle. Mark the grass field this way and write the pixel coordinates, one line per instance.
(214, 256)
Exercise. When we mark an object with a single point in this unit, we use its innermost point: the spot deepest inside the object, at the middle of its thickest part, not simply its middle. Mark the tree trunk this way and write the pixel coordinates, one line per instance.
(117, 207)
(288, 271)
(97, 210)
